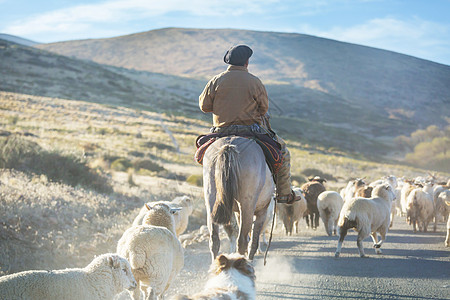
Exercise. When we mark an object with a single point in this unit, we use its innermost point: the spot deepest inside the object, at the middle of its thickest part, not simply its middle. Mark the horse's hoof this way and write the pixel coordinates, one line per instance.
(364, 256)
(336, 255)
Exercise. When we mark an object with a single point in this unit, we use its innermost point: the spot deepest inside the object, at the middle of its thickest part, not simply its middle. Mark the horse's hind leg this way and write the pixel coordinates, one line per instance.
(243, 238)
(256, 232)
(214, 240)
(232, 231)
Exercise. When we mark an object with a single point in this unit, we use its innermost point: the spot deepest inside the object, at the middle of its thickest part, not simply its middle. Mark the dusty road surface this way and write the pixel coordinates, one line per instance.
(412, 266)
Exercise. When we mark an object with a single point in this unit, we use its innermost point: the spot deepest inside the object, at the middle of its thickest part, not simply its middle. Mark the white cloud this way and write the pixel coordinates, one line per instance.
(82, 19)
(414, 37)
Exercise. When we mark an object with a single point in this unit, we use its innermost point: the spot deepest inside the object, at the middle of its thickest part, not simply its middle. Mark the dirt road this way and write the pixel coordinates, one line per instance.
(412, 266)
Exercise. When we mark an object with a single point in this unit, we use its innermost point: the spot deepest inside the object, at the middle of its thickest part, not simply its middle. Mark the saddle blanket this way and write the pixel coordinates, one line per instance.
(270, 148)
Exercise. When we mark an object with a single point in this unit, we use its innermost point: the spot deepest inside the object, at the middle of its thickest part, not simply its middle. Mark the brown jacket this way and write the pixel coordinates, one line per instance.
(235, 97)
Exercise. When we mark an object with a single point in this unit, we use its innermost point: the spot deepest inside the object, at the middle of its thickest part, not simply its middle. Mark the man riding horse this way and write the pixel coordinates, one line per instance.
(239, 103)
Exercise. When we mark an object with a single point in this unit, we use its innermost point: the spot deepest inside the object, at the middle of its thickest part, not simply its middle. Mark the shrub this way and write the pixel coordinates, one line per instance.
(195, 180)
(121, 164)
(315, 172)
(27, 156)
(147, 164)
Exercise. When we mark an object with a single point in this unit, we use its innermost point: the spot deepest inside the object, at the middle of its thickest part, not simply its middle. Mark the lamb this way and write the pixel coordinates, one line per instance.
(367, 216)
(155, 253)
(311, 190)
(419, 209)
(330, 204)
(181, 217)
(107, 275)
(290, 214)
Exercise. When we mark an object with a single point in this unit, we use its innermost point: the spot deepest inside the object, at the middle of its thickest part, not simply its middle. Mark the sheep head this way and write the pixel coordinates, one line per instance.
(160, 214)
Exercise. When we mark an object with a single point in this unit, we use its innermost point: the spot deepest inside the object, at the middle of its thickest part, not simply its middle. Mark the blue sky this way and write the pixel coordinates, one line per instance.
(419, 28)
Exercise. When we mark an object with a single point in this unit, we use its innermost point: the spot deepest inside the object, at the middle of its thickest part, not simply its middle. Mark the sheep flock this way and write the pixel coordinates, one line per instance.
(150, 253)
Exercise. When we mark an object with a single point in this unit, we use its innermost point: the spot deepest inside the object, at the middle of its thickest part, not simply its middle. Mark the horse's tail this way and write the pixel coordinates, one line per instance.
(227, 183)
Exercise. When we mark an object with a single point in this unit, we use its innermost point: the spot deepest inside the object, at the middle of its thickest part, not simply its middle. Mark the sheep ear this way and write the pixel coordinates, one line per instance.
(148, 206)
(113, 261)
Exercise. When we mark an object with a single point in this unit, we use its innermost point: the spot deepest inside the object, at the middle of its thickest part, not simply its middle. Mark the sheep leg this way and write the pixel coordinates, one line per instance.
(376, 244)
(392, 218)
(335, 227)
(296, 227)
(342, 234)
(328, 225)
(359, 243)
(136, 293)
(447, 239)
(436, 217)
(150, 294)
(374, 238)
(316, 220)
(214, 241)
(307, 220)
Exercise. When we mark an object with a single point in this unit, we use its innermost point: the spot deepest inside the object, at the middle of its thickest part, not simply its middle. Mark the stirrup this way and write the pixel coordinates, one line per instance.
(289, 199)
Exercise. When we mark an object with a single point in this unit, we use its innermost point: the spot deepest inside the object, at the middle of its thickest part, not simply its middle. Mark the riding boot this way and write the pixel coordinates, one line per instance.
(283, 177)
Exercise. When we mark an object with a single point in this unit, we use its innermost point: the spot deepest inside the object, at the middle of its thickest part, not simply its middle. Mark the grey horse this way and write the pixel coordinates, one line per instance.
(236, 179)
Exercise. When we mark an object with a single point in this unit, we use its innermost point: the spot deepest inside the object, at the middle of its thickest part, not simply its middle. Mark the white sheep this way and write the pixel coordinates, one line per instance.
(291, 214)
(419, 209)
(367, 216)
(393, 182)
(155, 253)
(265, 227)
(447, 239)
(407, 188)
(440, 209)
(329, 204)
(391, 179)
(107, 275)
(181, 217)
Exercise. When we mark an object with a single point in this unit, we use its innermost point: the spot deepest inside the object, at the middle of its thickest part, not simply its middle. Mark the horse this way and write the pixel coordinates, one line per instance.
(236, 179)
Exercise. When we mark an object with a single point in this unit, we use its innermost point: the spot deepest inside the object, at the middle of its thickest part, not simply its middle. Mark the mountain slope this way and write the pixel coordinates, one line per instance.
(32, 71)
(17, 40)
(390, 85)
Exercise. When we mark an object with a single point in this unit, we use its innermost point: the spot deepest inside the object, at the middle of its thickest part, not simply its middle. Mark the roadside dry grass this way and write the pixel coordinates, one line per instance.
(45, 224)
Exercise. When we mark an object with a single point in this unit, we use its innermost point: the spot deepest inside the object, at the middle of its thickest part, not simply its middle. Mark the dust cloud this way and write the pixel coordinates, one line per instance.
(277, 269)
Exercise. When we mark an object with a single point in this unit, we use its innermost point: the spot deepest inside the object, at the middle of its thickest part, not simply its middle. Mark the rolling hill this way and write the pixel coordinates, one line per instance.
(306, 75)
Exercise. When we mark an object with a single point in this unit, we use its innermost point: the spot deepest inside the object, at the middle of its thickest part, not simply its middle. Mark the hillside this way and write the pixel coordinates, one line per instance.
(306, 75)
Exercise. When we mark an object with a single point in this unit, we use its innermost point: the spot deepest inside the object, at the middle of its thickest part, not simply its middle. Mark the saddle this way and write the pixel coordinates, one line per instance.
(270, 148)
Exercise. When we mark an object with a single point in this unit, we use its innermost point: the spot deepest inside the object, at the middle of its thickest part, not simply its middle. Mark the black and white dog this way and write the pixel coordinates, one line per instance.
(232, 278)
